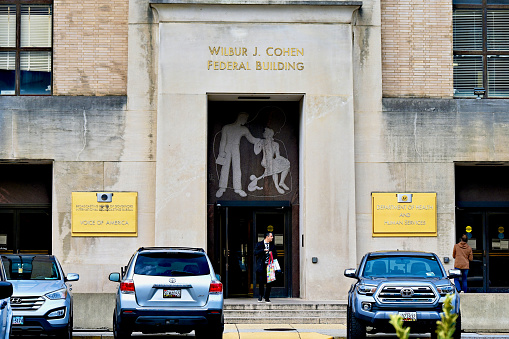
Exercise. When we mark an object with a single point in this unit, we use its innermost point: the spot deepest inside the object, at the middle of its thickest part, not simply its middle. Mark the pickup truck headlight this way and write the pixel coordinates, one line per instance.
(59, 294)
(366, 289)
(446, 289)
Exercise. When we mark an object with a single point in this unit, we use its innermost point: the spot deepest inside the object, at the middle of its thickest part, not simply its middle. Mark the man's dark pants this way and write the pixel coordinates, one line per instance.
(261, 278)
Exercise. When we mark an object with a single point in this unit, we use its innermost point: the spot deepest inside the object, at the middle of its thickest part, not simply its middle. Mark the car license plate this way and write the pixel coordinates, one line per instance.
(172, 293)
(17, 320)
(408, 316)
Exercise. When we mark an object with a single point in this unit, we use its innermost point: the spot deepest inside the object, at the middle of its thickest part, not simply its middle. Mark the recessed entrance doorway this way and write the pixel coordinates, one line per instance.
(253, 187)
(490, 247)
(482, 213)
(241, 227)
(25, 208)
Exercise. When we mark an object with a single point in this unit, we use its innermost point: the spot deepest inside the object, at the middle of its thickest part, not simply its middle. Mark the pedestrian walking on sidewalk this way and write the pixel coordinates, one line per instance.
(462, 254)
(263, 250)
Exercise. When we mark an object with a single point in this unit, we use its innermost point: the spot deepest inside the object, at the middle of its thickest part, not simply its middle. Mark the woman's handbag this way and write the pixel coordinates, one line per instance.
(271, 270)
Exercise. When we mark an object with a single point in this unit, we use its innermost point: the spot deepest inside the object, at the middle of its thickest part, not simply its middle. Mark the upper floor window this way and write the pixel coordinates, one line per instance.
(26, 47)
(481, 47)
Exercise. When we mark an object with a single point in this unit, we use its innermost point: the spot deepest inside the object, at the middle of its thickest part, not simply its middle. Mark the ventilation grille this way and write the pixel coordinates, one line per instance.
(26, 303)
(406, 295)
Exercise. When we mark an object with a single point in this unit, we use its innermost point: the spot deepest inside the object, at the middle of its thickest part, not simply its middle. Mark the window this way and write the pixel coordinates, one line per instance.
(481, 47)
(392, 266)
(30, 267)
(26, 47)
(172, 264)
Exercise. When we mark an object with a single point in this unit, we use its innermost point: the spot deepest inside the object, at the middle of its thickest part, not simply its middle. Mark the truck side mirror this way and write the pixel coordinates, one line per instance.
(454, 273)
(351, 273)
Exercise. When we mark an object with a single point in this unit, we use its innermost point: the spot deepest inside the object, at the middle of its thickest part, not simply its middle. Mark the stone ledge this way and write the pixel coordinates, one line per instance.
(484, 312)
(63, 103)
(450, 106)
(93, 310)
(262, 2)
(321, 12)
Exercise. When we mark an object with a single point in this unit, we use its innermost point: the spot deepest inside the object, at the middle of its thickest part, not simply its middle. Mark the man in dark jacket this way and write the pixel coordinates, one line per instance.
(262, 251)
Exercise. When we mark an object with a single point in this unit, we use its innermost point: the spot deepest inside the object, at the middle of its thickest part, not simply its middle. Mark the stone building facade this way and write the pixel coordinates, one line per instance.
(359, 96)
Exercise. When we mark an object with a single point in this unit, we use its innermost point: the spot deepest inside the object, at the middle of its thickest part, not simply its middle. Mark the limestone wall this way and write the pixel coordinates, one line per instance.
(412, 146)
(94, 145)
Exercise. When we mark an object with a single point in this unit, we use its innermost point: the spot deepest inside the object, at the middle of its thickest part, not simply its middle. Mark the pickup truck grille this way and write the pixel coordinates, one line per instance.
(26, 303)
(406, 295)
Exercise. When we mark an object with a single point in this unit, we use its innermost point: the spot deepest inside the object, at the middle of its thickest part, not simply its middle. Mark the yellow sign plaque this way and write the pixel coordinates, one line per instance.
(98, 214)
(404, 214)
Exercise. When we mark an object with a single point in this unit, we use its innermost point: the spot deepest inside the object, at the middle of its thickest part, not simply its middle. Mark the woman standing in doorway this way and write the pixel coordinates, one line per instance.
(462, 254)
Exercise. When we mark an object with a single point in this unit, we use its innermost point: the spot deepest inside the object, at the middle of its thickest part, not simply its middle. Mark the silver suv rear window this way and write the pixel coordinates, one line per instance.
(171, 264)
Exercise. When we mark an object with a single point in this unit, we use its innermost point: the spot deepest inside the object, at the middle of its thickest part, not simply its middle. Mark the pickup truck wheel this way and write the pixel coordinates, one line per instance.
(457, 332)
(355, 329)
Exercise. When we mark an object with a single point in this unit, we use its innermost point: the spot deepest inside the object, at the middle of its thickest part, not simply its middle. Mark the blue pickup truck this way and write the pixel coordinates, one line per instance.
(412, 284)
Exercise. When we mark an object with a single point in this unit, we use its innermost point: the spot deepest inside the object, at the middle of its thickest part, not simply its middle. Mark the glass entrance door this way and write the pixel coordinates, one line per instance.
(277, 223)
(486, 230)
(25, 230)
(240, 229)
(473, 221)
(498, 251)
(236, 241)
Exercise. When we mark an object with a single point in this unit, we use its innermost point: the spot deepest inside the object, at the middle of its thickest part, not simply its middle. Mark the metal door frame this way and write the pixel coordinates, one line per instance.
(257, 207)
(486, 224)
(287, 289)
(18, 209)
(485, 212)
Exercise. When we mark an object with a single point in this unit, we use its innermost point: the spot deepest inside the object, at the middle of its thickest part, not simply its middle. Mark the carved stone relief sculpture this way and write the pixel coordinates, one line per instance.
(229, 154)
(270, 160)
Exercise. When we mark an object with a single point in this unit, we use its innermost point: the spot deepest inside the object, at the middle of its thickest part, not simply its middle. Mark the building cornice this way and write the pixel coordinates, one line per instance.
(250, 11)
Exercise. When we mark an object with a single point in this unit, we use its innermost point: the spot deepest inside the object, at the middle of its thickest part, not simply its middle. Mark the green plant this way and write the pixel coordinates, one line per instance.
(397, 322)
(445, 327)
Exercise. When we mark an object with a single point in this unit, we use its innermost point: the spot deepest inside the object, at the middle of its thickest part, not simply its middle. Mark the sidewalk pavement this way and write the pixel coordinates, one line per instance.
(247, 331)
(285, 331)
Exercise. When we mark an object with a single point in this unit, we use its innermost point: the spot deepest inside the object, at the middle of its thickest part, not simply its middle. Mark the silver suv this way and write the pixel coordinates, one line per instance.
(42, 301)
(168, 289)
(5, 305)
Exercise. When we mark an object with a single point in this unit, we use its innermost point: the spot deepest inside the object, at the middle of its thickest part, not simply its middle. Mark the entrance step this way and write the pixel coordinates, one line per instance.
(284, 311)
